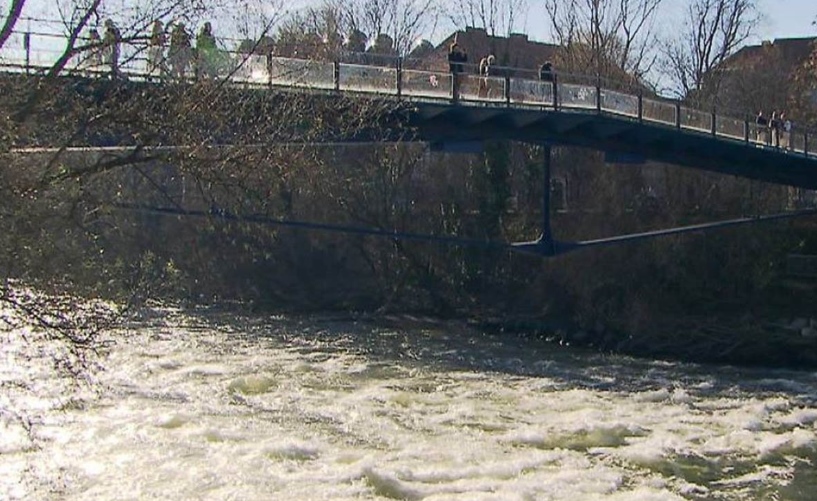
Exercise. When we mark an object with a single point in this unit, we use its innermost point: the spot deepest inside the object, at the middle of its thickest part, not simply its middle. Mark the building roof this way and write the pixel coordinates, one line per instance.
(790, 52)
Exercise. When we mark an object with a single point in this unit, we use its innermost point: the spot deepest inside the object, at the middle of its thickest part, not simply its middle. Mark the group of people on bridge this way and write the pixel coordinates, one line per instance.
(178, 59)
(458, 59)
(774, 131)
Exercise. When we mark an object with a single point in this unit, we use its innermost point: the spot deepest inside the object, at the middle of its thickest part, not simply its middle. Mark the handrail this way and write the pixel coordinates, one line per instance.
(406, 79)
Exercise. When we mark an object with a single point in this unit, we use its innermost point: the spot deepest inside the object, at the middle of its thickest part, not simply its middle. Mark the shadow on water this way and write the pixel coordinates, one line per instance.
(456, 346)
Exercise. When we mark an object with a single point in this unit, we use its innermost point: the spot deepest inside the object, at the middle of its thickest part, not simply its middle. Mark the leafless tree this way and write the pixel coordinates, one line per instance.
(497, 17)
(605, 37)
(45, 201)
(402, 20)
(391, 27)
(315, 32)
(15, 9)
(712, 31)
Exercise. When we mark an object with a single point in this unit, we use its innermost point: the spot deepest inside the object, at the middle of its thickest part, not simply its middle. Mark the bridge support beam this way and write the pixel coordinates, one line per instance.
(546, 239)
(545, 245)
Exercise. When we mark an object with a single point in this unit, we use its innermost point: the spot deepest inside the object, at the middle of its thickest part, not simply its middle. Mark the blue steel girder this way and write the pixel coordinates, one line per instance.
(604, 132)
(524, 121)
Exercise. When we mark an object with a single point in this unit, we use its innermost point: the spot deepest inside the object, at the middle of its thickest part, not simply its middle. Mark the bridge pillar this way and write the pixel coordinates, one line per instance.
(546, 242)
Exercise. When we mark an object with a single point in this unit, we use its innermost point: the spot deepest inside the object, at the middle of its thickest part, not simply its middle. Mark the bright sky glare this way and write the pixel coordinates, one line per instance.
(781, 18)
(788, 18)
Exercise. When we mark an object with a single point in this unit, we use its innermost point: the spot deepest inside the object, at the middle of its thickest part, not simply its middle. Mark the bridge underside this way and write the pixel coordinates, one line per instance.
(436, 122)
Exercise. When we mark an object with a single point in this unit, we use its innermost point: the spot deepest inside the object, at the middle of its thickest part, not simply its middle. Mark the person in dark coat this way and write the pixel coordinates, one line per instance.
(546, 72)
(454, 55)
(180, 50)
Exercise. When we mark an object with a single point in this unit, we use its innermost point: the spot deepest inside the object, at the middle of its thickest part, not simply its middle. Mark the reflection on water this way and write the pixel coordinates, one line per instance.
(219, 407)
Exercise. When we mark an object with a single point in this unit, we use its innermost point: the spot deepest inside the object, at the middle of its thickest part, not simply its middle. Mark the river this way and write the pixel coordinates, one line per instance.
(189, 405)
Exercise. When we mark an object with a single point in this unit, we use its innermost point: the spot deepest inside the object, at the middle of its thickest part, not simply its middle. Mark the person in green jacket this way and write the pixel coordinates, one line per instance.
(206, 52)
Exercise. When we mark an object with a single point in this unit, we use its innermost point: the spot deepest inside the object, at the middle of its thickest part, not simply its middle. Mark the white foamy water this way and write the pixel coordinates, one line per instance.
(198, 407)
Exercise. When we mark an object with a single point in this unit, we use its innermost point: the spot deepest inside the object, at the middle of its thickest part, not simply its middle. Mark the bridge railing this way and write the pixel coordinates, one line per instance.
(419, 79)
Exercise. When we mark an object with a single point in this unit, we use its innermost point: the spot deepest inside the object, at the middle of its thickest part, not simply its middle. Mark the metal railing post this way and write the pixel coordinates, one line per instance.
(598, 98)
(399, 63)
(269, 69)
(746, 131)
(455, 86)
(507, 90)
(641, 106)
(677, 114)
(555, 88)
(598, 94)
(27, 47)
(805, 143)
(336, 75)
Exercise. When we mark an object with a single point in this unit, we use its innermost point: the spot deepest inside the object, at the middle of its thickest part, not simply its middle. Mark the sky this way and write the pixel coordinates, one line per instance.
(788, 18)
(780, 19)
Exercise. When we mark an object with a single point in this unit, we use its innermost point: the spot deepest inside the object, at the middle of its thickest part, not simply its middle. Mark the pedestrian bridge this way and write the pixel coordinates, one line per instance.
(570, 110)
(448, 109)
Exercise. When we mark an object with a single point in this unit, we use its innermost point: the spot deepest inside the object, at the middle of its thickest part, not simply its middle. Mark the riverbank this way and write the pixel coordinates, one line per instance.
(745, 341)
(781, 343)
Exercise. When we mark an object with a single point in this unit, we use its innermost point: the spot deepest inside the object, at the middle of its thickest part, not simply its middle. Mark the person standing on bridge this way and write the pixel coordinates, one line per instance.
(785, 139)
(762, 127)
(110, 43)
(94, 60)
(774, 130)
(546, 72)
(206, 52)
(484, 72)
(457, 57)
(482, 90)
(156, 50)
(180, 49)
(548, 76)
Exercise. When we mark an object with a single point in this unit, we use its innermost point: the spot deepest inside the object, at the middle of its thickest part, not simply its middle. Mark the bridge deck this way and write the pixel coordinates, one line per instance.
(566, 111)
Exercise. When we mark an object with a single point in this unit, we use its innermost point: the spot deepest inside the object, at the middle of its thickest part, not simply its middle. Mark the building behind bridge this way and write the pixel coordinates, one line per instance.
(777, 75)
(773, 75)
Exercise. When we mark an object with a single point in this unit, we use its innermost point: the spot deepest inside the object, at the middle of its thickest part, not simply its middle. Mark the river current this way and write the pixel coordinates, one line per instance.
(199, 406)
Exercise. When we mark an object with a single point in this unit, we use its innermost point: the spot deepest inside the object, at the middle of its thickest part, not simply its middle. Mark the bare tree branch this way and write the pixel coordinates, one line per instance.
(605, 37)
(713, 31)
(497, 17)
(13, 16)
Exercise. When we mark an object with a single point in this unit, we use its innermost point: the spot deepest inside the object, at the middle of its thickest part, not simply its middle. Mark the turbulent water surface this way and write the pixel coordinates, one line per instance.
(206, 407)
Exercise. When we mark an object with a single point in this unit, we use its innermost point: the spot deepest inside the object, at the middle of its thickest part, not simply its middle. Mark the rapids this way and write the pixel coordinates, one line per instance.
(193, 405)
